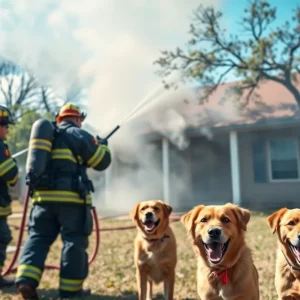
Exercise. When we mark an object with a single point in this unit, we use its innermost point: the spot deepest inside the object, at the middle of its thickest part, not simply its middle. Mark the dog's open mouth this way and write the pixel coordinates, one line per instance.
(296, 252)
(215, 251)
(150, 225)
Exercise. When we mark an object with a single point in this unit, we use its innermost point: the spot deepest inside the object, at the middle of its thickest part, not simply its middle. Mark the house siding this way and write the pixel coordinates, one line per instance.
(210, 170)
(265, 195)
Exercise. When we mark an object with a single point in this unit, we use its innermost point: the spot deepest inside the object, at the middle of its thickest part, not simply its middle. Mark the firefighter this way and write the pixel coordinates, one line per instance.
(8, 177)
(61, 205)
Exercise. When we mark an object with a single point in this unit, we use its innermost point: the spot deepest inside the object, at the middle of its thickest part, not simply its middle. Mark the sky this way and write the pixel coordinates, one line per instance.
(108, 45)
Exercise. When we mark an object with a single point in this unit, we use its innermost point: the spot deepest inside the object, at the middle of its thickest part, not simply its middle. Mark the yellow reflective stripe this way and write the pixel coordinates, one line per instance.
(14, 180)
(63, 154)
(29, 271)
(40, 144)
(98, 156)
(48, 143)
(59, 196)
(6, 166)
(70, 285)
(5, 211)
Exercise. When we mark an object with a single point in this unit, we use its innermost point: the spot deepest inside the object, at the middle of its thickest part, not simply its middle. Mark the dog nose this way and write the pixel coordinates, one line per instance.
(214, 232)
(299, 235)
(148, 214)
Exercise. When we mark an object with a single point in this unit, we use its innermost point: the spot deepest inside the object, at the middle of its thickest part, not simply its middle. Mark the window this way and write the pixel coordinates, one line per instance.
(283, 155)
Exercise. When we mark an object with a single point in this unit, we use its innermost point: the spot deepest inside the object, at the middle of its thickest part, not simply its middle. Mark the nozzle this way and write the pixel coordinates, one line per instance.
(112, 132)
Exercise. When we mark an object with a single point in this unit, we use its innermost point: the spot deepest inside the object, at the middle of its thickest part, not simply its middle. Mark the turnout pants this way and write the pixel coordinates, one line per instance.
(46, 221)
(5, 239)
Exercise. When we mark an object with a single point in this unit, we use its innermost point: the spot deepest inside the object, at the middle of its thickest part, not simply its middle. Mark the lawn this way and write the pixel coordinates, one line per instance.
(112, 275)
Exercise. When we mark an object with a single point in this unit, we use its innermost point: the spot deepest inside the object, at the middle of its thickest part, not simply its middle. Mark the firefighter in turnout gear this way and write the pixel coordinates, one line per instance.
(61, 200)
(8, 177)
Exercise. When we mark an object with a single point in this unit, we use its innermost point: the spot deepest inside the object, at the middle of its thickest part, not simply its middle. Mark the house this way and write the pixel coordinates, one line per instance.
(189, 154)
(250, 158)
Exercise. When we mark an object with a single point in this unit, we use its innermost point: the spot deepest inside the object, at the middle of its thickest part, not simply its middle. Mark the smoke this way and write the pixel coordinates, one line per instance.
(109, 47)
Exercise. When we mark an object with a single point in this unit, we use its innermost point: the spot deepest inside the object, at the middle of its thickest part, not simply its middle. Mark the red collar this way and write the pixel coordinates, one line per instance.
(223, 275)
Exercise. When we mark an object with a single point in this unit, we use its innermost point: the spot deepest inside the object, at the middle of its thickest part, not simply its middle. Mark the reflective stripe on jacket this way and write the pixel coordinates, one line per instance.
(64, 166)
(9, 175)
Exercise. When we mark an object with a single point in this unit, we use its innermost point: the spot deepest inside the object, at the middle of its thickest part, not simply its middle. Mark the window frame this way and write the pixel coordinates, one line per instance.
(270, 164)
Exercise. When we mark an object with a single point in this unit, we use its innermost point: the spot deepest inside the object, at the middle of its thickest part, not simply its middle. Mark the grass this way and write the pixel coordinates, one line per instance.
(112, 275)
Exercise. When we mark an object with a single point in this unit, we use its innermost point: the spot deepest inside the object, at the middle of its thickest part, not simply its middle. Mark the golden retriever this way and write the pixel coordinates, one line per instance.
(225, 267)
(286, 223)
(155, 254)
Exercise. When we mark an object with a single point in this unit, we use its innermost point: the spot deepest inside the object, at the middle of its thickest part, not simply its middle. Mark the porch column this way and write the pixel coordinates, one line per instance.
(166, 170)
(235, 167)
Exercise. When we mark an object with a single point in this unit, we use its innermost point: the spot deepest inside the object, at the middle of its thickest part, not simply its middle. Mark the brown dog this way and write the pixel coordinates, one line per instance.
(155, 254)
(286, 223)
(225, 266)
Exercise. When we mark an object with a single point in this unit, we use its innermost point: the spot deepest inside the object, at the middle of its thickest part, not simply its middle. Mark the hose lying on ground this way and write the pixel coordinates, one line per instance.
(21, 228)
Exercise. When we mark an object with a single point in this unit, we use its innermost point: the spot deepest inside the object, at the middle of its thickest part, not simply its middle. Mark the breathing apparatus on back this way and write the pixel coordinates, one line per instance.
(43, 133)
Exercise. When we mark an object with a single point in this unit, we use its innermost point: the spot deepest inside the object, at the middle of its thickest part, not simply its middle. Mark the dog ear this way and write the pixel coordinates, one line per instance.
(134, 213)
(167, 209)
(242, 215)
(188, 219)
(274, 219)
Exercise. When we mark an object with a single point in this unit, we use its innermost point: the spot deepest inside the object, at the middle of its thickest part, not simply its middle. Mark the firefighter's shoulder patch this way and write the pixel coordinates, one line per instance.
(6, 153)
(95, 142)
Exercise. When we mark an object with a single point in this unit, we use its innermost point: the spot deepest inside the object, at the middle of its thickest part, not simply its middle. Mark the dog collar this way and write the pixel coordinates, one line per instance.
(161, 239)
(290, 265)
(223, 275)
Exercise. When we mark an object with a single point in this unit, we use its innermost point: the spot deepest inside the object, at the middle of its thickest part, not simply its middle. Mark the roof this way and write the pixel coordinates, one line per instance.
(181, 110)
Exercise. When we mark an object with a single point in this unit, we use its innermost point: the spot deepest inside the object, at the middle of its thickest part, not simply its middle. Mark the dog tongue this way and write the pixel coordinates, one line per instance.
(149, 225)
(214, 251)
(297, 252)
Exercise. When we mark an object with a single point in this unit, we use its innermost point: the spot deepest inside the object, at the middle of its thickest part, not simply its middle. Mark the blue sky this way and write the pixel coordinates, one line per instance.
(109, 44)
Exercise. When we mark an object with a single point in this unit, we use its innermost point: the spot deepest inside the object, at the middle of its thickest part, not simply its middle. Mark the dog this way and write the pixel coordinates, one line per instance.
(155, 253)
(286, 223)
(225, 269)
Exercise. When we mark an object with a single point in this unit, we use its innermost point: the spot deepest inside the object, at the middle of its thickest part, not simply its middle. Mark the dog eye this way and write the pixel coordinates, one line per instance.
(225, 220)
(143, 208)
(156, 208)
(203, 220)
(291, 223)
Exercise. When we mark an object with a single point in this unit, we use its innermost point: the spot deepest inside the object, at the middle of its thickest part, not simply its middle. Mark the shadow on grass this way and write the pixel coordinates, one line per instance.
(52, 294)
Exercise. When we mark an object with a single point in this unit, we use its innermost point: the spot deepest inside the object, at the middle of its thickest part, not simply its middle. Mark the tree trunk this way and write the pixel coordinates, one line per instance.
(295, 92)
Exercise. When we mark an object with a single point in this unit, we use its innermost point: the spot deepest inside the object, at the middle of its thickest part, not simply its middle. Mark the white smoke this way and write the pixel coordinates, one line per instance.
(108, 47)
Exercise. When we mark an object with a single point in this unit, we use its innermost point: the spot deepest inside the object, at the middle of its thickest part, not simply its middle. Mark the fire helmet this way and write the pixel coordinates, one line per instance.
(5, 116)
(70, 110)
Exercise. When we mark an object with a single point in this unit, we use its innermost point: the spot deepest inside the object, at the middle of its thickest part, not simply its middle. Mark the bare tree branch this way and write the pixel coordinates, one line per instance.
(210, 52)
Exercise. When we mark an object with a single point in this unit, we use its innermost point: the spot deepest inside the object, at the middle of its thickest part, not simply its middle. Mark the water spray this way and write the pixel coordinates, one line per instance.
(158, 91)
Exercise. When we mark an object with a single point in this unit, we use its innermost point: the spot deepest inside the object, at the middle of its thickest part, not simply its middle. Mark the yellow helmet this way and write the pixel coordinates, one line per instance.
(5, 116)
(70, 110)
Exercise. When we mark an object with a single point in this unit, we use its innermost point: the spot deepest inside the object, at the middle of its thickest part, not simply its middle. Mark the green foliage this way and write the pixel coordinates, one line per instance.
(212, 54)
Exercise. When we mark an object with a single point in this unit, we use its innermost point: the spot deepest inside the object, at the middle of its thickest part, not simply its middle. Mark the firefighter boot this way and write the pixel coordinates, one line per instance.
(27, 291)
(6, 282)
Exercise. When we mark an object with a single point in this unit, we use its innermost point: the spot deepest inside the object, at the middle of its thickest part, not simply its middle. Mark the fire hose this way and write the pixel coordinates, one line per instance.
(11, 267)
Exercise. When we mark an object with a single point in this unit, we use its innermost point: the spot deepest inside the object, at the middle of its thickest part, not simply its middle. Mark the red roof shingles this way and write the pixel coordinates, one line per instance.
(275, 104)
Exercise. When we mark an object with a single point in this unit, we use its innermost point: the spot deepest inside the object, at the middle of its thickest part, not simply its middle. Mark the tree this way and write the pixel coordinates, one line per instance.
(20, 88)
(266, 54)
(17, 87)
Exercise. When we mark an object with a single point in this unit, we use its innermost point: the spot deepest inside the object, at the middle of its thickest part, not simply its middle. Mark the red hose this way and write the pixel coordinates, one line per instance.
(21, 232)
(12, 269)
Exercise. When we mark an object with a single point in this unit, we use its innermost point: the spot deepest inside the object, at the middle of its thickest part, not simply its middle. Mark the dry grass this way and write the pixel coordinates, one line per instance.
(112, 275)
